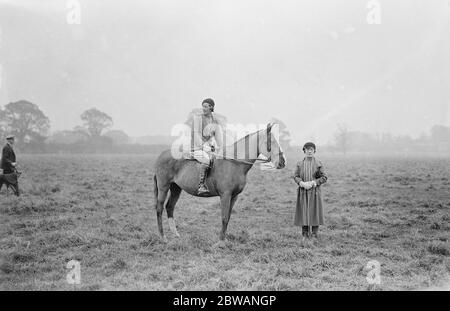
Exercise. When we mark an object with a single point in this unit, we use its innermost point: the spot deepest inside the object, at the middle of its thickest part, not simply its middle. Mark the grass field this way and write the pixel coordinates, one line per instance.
(99, 210)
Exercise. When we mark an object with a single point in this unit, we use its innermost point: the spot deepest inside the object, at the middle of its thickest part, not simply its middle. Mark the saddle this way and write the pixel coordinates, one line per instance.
(188, 156)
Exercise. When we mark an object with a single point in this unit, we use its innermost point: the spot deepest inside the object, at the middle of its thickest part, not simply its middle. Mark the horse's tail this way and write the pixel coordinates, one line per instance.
(155, 189)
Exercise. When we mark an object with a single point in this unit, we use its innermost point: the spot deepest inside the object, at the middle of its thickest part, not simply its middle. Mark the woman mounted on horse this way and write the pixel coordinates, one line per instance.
(227, 176)
(206, 138)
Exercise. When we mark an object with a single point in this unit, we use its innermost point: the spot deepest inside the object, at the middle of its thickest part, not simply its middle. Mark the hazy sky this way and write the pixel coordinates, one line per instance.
(312, 64)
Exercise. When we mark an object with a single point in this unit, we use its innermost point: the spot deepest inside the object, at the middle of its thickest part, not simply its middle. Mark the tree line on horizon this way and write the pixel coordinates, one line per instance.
(349, 141)
(31, 127)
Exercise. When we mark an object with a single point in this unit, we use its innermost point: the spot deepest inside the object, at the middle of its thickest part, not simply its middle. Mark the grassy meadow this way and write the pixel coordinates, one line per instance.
(99, 210)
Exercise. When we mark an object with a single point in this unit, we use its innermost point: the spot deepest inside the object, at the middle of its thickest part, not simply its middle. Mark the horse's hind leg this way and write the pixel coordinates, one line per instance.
(226, 203)
(161, 197)
(175, 192)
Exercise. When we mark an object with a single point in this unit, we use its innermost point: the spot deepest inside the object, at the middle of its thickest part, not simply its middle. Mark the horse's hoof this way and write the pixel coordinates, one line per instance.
(164, 239)
(220, 244)
(173, 227)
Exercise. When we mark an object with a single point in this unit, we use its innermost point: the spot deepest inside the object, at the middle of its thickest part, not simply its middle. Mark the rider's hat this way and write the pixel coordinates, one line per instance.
(309, 145)
(210, 102)
(9, 137)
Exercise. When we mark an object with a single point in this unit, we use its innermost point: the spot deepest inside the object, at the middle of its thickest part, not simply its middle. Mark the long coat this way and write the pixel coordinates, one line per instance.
(8, 157)
(309, 209)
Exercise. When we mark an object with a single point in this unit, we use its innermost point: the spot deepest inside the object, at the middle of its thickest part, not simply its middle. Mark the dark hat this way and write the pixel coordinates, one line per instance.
(209, 101)
(309, 145)
(10, 137)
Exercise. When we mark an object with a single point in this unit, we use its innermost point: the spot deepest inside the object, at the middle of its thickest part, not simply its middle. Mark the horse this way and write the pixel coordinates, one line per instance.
(226, 178)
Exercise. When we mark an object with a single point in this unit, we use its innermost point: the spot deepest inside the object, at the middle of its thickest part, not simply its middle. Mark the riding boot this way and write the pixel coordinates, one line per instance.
(315, 230)
(201, 186)
(16, 190)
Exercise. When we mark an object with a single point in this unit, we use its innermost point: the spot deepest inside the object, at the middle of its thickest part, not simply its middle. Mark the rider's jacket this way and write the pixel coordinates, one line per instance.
(206, 132)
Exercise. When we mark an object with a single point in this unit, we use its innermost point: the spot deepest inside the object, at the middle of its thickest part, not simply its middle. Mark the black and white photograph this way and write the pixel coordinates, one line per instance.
(254, 147)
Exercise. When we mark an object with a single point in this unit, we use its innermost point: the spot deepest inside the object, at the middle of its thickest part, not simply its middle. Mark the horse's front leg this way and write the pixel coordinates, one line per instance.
(226, 204)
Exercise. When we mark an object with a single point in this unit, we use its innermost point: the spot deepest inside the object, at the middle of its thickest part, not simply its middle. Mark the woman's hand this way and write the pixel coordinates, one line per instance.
(307, 185)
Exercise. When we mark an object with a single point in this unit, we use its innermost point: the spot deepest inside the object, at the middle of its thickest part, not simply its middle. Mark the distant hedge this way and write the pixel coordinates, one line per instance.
(87, 148)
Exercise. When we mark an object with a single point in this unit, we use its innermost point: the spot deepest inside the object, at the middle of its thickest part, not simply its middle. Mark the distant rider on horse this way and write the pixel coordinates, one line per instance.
(206, 138)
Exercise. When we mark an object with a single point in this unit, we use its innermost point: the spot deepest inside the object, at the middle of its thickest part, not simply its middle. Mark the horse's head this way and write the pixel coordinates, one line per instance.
(270, 147)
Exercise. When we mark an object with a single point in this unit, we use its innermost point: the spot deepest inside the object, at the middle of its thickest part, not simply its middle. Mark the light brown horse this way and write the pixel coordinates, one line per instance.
(227, 176)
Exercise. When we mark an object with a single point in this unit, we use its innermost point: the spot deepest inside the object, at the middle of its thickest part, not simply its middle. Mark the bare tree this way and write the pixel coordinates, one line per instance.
(342, 138)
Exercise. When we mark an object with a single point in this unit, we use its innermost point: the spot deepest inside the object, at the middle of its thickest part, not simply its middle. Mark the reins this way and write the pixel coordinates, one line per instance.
(243, 161)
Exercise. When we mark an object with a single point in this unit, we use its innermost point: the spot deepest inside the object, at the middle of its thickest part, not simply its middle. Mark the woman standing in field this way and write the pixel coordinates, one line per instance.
(309, 175)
